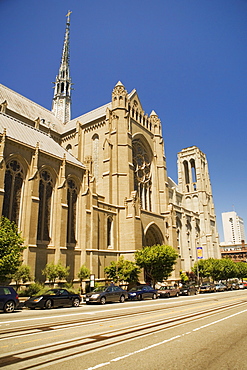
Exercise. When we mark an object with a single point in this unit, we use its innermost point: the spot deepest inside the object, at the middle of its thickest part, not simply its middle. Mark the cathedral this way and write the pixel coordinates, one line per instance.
(88, 190)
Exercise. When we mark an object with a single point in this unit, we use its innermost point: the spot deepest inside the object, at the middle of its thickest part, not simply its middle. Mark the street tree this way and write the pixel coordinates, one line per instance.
(158, 262)
(11, 248)
(241, 270)
(22, 275)
(53, 272)
(203, 268)
(122, 270)
(83, 274)
(223, 269)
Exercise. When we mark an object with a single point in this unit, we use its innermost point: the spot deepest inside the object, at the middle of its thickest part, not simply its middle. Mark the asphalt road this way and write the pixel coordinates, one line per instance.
(198, 332)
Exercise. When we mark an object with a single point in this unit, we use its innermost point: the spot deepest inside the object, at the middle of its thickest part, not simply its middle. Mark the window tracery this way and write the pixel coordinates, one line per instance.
(71, 219)
(12, 190)
(45, 196)
(142, 174)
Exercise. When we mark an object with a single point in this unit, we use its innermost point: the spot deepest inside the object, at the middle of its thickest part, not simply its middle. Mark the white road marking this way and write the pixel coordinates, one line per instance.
(163, 342)
(87, 313)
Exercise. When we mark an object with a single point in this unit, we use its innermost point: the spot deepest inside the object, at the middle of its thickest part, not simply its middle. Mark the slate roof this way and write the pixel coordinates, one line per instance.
(27, 108)
(28, 135)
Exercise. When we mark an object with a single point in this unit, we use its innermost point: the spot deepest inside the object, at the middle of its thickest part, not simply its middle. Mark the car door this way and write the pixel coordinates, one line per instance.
(109, 293)
(117, 293)
(62, 298)
(146, 292)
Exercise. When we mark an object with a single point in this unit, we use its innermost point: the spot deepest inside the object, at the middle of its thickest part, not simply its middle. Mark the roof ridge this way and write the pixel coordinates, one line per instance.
(25, 124)
(29, 100)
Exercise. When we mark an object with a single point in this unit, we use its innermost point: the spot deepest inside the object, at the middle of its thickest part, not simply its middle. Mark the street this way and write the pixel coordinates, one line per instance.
(197, 332)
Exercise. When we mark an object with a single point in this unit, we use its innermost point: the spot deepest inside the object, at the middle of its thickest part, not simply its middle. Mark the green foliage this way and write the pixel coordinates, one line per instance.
(23, 275)
(241, 270)
(83, 273)
(62, 271)
(220, 269)
(183, 276)
(223, 269)
(32, 290)
(53, 272)
(203, 267)
(11, 248)
(157, 261)
(122, 270)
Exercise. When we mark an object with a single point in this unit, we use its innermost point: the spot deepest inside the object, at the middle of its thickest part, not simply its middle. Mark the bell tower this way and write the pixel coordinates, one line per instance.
(61, 106)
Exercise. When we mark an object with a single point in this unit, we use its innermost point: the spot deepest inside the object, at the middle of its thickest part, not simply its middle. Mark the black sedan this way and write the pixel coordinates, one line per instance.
(54, 298)
(188, 290)
(140, 292)
(112, 293)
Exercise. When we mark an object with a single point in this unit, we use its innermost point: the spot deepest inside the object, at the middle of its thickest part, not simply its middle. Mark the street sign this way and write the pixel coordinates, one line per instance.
(199, 253)
(92, 280)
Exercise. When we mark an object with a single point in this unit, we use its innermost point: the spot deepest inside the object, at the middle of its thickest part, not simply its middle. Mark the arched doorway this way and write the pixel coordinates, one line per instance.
(153, 236)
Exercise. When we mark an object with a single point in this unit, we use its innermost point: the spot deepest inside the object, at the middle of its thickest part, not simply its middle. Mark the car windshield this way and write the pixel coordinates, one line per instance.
(136, 288)
(100, 289)
(51, 292)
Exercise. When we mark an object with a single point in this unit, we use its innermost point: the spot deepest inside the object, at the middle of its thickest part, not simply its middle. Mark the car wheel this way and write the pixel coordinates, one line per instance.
(9, 307)
(168, 295)
(48, 304)
(154, 296)
(122, 298)
(76, 302)
(139, 297)
(102, 300)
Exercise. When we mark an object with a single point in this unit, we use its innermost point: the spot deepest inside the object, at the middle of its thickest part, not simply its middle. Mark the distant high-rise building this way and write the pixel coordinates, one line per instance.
(233, 227)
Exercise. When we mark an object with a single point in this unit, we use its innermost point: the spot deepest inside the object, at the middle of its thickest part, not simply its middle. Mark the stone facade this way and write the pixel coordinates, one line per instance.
(92, 189)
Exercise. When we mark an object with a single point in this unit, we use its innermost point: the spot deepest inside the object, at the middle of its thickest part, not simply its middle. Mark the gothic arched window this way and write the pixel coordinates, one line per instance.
(109, 232)
(45, 195)
(12, 190)
(142, 174)
(95, 156)
(71, 220)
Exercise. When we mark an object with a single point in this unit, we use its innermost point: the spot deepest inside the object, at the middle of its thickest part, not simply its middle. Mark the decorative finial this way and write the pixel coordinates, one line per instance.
(67, 15)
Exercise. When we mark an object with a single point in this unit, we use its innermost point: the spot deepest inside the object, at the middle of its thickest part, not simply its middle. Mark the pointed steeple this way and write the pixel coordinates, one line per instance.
(61, 106)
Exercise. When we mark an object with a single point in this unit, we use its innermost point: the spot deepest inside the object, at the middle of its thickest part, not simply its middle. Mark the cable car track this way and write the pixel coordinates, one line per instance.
(35, 356)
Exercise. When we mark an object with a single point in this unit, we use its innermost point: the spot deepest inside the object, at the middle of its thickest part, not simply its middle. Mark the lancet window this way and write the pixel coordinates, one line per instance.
(71, 219)
(142, 174)
(95, 156)
(45, 197)
(12, 190)
(109, 232)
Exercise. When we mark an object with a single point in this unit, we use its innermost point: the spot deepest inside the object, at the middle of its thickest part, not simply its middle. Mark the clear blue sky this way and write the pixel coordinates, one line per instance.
(186, 58)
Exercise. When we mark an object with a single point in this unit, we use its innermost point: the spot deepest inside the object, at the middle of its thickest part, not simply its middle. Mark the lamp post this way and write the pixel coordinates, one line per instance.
(199, 255)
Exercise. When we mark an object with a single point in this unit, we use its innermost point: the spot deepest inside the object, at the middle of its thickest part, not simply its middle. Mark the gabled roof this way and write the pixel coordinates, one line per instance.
(30, 136)
(29, 109)
(88, 117)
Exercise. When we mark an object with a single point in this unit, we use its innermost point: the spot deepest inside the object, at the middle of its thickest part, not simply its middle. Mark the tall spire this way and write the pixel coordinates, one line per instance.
(61, 106)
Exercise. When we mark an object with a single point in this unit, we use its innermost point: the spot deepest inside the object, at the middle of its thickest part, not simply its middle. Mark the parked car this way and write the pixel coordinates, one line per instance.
(9, 299)
(168, 291)
(220, 287)
(241, 286)
(188, 289)
(54, 298)
(142, 291)
(112, 293)
(207, 288)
